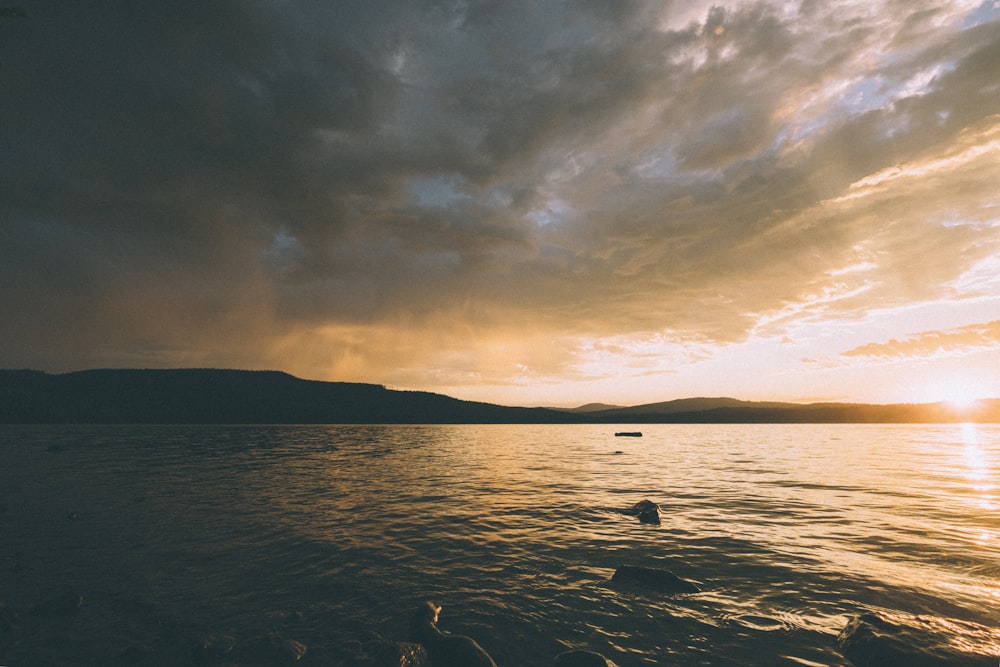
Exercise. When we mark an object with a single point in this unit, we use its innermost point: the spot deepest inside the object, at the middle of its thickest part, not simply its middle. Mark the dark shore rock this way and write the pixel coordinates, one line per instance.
(646, 510)
(662, 581)
(110, 628)
(445, 649)
(869, 640)
(582, 659)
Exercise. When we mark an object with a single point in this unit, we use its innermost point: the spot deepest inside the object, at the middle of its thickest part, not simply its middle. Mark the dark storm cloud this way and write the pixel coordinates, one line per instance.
(196, 181)
(163, 145)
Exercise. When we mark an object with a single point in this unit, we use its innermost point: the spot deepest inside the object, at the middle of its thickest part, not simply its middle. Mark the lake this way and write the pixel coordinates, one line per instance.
(180, 539)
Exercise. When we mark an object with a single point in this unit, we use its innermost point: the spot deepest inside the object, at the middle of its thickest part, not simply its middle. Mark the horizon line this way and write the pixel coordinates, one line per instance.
(965, 407)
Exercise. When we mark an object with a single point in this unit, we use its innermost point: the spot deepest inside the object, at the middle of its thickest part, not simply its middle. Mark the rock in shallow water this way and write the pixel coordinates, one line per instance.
(646, 510)
(868, 640)
(445, 649)
(663, 581)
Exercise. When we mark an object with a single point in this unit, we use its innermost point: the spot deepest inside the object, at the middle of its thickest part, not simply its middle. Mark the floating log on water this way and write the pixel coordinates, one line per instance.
(628, 434)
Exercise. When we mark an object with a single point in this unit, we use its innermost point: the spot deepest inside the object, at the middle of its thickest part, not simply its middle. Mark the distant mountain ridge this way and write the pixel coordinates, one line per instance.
(178, 396)
(231, 396)
(699, 404)
(590, 407)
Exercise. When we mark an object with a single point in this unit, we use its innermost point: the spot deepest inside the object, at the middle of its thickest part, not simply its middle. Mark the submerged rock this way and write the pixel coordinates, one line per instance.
(580, 658)
(868, 640)
(445, 649)
(663, 581)
(646, 510)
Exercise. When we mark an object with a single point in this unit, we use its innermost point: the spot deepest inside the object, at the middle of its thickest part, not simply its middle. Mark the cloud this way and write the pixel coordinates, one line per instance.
(221, 183)
(935, 343)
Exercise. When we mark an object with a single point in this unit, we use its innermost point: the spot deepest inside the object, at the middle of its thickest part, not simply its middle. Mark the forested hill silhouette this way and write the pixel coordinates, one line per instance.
(207, 396)
(203, 396)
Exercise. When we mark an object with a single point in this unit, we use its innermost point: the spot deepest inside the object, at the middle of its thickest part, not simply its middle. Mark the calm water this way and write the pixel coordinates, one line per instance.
(327, 534)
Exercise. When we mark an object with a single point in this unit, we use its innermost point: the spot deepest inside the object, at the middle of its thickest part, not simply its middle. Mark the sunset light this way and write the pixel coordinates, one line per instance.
(500, 332)
(960, 393)
(963, 402)
(626, 204)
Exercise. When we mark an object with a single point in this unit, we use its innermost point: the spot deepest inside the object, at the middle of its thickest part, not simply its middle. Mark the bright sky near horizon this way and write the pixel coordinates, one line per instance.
(520, 202)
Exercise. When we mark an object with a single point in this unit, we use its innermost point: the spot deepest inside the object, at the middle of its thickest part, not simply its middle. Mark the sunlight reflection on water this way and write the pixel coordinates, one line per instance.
(517, 530)
(979, 470)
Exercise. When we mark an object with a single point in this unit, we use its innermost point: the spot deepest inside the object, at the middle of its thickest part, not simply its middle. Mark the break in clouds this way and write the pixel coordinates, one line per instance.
(405, 191)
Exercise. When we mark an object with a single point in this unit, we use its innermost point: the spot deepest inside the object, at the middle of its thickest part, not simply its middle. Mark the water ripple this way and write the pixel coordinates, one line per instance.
(517, 531)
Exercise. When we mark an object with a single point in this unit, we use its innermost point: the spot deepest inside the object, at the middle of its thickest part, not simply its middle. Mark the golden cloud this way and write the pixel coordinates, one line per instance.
(934, 343)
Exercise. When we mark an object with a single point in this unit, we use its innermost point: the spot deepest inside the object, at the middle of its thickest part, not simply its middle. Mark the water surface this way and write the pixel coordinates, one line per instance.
(328, 534)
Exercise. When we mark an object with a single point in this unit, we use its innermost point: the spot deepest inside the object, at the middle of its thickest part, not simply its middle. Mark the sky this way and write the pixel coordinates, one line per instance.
(526, 203)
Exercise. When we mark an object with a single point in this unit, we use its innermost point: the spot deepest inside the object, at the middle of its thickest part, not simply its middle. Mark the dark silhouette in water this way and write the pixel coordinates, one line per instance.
(870, 639)
(656, 579)
(646, 510)
(445, 649)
